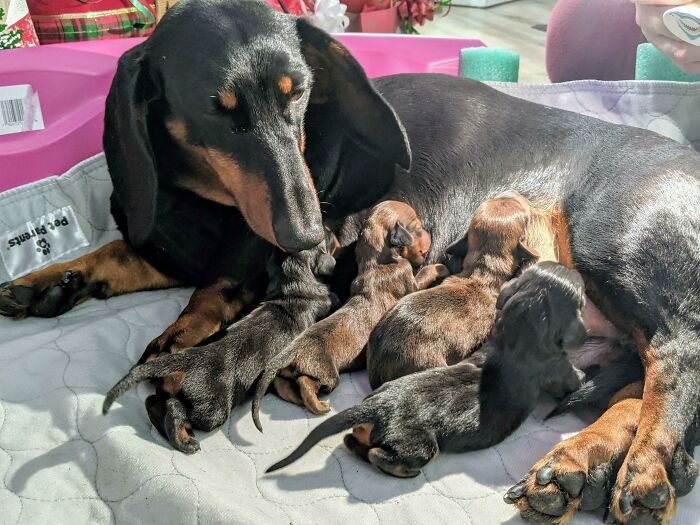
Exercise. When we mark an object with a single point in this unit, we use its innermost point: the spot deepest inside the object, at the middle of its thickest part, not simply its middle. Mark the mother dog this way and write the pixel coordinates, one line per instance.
(265, 123)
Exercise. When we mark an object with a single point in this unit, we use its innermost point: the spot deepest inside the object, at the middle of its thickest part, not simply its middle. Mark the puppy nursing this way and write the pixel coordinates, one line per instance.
(472, 405)
(443, 325)
(391, 243)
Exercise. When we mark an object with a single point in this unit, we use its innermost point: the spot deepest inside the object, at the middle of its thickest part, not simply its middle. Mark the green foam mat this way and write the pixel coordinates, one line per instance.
(490, 64)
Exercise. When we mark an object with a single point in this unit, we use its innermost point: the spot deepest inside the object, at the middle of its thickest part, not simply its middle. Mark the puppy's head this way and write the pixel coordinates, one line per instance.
(221, 113)
(540, 311)
(394, 230)
(496, 236)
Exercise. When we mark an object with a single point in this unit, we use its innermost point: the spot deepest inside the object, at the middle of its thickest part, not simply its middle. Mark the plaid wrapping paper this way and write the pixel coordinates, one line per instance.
(108, 24)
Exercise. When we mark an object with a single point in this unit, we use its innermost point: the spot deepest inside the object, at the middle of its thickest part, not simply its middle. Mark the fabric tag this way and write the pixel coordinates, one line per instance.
(19, 109)
(41, 241)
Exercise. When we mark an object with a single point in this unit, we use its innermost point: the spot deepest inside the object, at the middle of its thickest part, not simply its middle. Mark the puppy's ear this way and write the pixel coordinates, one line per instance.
(507, 291)
(400, 236)
(339, 79)
(526, 254)
(324, 265)
(127, 143)
(574, 334)
(455, 254)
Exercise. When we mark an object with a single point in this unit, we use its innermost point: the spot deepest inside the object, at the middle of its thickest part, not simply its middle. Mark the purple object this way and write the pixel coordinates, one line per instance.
(72, 81)
(592, 39)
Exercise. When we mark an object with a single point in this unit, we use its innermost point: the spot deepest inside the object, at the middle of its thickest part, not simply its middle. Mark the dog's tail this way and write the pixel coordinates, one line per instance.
(362, 413)
(599, 389)
(154, 369)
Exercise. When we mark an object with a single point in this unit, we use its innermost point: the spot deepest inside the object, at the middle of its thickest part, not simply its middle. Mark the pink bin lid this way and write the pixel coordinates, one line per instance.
(72, 81)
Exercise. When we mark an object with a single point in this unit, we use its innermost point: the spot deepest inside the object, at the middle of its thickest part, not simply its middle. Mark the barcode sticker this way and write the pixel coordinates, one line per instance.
(19, 109)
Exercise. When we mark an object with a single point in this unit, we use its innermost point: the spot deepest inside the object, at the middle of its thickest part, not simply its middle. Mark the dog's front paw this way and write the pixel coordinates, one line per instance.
(45, 297)
(643, 493)
(15, 300)
(577, 474)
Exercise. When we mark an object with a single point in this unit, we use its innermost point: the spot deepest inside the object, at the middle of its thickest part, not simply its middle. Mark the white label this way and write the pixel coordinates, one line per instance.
(19, 109)
(41, 241)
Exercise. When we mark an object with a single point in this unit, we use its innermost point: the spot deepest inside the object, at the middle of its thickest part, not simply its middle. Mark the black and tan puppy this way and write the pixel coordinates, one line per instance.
(391, 244)
(444, 325)
(478, 402)
(212, 379)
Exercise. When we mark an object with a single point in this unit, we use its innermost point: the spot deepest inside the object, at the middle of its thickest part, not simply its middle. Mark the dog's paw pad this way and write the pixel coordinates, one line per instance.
(596, 492)
(552, 503)
(15, 300)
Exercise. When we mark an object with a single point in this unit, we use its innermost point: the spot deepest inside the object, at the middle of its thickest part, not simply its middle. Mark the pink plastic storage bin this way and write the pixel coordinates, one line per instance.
(72, 81)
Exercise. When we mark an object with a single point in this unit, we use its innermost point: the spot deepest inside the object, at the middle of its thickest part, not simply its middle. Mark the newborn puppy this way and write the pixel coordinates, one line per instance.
(443, 325)
(390, 244)
(472, 405)
(204, 383)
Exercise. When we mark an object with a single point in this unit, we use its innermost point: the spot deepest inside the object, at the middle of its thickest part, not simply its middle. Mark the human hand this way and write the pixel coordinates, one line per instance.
(650, 20)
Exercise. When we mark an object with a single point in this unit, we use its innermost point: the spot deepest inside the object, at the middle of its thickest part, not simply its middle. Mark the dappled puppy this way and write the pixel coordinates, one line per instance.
(472, 405)
(391, 243)
(443, 325)
(202, 384)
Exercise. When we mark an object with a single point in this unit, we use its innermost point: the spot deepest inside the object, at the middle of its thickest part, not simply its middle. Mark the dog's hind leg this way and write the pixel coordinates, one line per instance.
(111, 270)
(404, 458)
(169, 416)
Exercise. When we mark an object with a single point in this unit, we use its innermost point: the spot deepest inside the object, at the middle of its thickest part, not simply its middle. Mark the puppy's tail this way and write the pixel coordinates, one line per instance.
(156, 368)
(271, 370)
(362, 413)
(599, 389)
(280, 361)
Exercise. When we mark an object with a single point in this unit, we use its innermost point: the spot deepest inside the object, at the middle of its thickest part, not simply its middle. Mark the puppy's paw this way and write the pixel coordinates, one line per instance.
(442, 271)
(168, 415)
(308, 389)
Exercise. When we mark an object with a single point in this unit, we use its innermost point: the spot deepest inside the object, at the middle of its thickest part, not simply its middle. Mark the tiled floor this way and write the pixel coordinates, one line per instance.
(506, 25)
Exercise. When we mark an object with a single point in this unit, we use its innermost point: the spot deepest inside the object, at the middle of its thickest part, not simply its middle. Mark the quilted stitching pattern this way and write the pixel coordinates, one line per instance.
(61, 461)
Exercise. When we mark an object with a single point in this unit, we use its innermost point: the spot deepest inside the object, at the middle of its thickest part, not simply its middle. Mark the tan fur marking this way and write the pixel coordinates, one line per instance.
(285, 84)
(363, 432)
(220, 179)
(173, 383)
(228, 99)
(115, 265)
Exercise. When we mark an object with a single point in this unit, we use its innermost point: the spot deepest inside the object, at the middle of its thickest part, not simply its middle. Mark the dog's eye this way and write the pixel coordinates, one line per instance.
(297, 94)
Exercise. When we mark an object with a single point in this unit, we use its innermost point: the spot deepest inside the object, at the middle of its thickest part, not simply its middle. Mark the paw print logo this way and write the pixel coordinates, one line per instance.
(43, 246)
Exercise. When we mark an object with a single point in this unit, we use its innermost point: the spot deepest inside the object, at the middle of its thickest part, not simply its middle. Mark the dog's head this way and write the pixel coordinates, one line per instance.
(541, 309)
(214, 103)
(496, 235)
(392, 230)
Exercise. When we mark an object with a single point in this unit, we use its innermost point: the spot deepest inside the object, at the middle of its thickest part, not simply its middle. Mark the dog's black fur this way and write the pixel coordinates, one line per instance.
(218, 376)
(480, 401)
(629, 195)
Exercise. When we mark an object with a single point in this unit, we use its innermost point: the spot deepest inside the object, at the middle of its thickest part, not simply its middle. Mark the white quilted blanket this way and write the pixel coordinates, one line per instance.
(61, 461)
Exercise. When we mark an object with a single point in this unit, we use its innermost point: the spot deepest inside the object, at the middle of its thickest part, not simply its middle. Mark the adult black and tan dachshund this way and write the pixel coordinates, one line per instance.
(263, 123)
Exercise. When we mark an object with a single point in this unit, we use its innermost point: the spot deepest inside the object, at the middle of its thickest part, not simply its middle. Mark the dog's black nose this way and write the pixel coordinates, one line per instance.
(293, 240)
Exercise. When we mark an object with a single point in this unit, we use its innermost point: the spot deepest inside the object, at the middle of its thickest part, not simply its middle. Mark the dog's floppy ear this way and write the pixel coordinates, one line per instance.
(127, 143)
(400, 236)
(340, 79)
